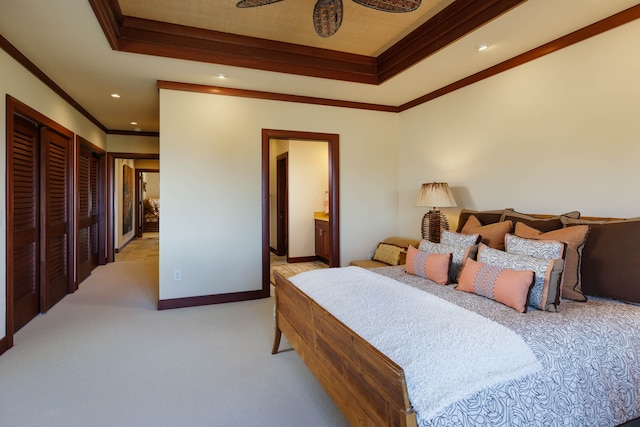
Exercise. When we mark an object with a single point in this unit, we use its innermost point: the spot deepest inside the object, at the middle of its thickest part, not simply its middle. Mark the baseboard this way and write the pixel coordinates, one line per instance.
(166, 304)
(118, 250)
(4, 345)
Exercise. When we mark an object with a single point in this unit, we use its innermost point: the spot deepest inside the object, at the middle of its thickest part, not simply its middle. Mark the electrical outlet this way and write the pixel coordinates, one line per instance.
(177, 275)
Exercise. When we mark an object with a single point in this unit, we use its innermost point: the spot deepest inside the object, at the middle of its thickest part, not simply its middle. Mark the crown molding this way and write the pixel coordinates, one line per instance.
(273, 96)
(137, 35)
(40, 75)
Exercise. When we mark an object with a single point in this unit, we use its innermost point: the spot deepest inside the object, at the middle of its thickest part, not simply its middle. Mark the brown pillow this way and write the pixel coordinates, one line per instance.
(541, 224)
(485, 217)
(575, 238)
(492, 234)
(610, 266)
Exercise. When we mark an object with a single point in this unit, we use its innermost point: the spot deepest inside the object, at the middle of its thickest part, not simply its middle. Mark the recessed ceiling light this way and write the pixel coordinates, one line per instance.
(482, 46)
(221, 76)
(115, 95)
(134, 123)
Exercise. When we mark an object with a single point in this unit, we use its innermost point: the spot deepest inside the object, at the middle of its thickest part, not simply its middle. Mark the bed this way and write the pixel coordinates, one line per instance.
(585, 368)
(151, 217)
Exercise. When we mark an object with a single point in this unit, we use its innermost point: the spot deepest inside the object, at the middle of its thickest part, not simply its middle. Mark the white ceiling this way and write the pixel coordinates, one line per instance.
(63, 38)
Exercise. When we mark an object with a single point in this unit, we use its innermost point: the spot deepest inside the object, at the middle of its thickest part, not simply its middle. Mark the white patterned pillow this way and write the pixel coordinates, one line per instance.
(458, 255)
(545, 293)
(547, 249)
(458, 239)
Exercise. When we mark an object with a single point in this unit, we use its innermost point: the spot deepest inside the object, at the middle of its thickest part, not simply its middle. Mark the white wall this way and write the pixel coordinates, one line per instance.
(211, 185)
(308, 181)
(133, 144)
(22, 85)
(557, 134)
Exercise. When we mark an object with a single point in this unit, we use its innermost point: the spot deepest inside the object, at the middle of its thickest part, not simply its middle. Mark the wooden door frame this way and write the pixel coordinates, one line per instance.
(15, 107)
(102, 197)
(139, 201)
(333, 141)
(111, 158)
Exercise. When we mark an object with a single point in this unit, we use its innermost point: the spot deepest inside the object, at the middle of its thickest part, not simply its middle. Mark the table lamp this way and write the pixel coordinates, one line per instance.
(435, 195)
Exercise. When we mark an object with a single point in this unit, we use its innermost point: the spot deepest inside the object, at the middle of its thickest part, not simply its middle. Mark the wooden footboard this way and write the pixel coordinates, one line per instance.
(368, 387)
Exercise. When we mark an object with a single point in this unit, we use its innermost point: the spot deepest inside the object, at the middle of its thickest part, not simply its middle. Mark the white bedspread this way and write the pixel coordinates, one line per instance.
(447, 352)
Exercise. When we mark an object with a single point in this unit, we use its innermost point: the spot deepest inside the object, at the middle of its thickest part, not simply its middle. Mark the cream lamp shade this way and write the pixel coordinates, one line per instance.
(435, 195)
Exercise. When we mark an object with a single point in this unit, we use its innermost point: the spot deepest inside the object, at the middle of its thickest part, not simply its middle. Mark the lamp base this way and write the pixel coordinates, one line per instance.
(433, 224)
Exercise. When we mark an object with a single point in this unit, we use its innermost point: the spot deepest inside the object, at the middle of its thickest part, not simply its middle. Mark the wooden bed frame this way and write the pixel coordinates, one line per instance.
(368, 387)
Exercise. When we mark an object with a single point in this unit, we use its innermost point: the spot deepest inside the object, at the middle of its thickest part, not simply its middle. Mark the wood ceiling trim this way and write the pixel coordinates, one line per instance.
(455, 21)
(216, 90)
(40, 75)
(110, 18)
(143, 36)
(604, 25)
(177, 41)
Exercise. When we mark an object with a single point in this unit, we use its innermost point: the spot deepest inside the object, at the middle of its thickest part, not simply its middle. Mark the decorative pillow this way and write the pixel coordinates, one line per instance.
(547, 249)
(610, 266)
(389, 254)
(458, 255)
(485, 217)
(575, 238)
(542, 224)
(509, 287)
(545, 293)
(434, 267)
(459, 239)
(492, 234)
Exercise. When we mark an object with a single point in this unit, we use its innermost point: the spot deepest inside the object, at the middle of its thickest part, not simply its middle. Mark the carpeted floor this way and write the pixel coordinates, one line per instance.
(104, 356)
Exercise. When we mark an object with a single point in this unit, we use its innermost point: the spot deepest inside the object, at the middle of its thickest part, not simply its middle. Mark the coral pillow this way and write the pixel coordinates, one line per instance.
(492, 234)
(434, 267)
(575, 238)
(509, 287)
(545, 293)
(458, 255)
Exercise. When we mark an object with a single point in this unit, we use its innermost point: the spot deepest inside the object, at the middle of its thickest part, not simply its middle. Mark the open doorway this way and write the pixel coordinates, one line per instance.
(147, 201)
(123, 204)
(269, 205)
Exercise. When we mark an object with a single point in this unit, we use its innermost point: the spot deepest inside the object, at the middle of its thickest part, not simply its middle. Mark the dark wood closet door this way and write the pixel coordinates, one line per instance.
(23, 181)
(55, 199)
(88, 211)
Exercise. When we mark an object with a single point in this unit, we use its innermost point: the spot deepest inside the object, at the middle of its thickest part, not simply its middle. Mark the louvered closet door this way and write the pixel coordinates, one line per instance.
(55, 252)
(88, 212)
(23, 181)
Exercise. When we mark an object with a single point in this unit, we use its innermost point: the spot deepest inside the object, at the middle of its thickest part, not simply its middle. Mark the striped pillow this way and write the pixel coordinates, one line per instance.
(434, 267)
(509, 287)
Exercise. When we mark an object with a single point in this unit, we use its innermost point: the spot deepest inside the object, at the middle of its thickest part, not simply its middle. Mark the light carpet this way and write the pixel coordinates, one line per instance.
(104, 356)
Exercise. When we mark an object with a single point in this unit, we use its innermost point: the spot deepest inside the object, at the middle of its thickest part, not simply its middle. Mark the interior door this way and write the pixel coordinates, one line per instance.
(89, 193)
(282, 205)
(24, 274)
(55, 220)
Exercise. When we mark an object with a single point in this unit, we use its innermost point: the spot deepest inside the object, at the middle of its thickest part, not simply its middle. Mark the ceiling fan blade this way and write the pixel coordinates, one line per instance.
(254, 3)
(327, 17)
(391, 5)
